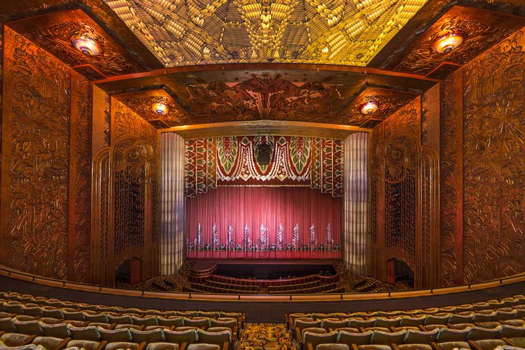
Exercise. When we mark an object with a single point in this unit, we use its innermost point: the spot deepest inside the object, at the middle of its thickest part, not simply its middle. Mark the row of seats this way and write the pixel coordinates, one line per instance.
(515, 302)
(485, 318)
(93, 338)
(476, 338)
(28, 298)
(28, 312)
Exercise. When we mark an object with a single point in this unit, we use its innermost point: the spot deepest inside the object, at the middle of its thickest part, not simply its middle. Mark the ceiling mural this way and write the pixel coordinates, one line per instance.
(222, 31)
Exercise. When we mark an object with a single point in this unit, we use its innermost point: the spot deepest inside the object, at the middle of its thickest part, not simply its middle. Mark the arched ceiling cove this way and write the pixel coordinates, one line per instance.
(349, 32)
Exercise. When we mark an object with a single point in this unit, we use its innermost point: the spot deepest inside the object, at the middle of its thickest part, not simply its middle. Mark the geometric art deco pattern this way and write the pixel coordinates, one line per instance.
(220, 31)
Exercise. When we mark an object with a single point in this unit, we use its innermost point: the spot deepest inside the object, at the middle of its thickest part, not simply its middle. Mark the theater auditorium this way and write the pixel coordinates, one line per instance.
(262, 174)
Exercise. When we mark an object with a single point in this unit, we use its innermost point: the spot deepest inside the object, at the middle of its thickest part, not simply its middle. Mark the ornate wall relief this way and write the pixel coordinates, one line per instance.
(494, 162)
(46, 145)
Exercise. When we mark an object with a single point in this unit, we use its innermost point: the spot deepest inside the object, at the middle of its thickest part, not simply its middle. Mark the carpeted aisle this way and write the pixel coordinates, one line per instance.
(265, 336)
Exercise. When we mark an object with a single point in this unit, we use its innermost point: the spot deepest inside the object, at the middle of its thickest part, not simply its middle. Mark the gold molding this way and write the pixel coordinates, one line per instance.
(265, 127)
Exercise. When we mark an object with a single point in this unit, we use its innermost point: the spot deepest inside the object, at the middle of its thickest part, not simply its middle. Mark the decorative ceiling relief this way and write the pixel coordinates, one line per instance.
(479, 29)
(386, 100)
(96, 55)
(144, 102)
(220, 31)
(263, 97)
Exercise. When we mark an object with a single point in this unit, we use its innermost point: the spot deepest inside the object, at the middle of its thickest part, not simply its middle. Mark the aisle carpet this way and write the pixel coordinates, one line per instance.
(265, 336)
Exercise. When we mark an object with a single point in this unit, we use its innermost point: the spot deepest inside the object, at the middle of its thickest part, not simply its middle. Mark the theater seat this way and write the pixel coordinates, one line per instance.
(124, 346)
(412, 347)
(453, 345)
(311, 340)
(51, 343)
(203, 346)
(374, 347)
(486, 344)
(332, 346)
(162, 346)
(16, 339)
(349, 338)
(86, 344)
(223, 339)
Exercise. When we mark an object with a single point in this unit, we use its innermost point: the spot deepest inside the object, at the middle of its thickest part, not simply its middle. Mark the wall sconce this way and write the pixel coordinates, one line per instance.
(447, 43)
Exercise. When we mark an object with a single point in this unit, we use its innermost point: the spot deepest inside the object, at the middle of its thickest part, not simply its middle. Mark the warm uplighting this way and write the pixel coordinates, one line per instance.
(447, 43)
(86, 44)
(160, 108)
(369, 108)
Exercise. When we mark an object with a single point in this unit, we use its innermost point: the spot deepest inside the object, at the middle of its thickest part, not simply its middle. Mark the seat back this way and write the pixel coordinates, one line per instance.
(350, 338)
(387, 338)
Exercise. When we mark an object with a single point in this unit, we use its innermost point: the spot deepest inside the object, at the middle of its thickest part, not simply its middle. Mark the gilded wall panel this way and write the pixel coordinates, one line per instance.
(494, 162)
(80, 179)
(450, 173)
(36, 159)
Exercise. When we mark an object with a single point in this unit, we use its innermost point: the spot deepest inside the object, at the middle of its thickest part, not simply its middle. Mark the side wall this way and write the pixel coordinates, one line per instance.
(46, 164)
(483, 166)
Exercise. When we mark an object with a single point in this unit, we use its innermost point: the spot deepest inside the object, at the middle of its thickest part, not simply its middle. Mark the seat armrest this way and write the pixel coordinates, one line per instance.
(142, 345)
(354, 347)
(395, 347)
(473, 345)
(63, 343)
(309, 346)
(183, 346)
(507, 340)
(434, 345)
(102, 345)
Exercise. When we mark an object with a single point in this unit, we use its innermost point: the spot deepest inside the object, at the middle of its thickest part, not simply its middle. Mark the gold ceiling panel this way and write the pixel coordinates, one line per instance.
(192, 32)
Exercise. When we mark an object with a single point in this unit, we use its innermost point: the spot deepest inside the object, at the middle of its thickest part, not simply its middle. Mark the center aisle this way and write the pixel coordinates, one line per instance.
(265, 336)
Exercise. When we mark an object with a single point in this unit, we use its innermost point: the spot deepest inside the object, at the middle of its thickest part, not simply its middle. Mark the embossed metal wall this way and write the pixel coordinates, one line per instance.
(356, 204)
(172, 203)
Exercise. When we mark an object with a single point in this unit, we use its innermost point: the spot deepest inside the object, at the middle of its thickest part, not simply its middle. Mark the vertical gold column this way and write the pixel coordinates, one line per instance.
(356, 208)
(172, 203)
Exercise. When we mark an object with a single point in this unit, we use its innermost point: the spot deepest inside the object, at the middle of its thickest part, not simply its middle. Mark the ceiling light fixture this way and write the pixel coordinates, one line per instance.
(325, 50)
(160, 108)
(86, 43)
(369, 108)
(447, 43)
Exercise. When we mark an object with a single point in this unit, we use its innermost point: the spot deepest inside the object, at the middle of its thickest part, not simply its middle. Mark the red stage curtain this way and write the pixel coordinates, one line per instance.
(264, 222)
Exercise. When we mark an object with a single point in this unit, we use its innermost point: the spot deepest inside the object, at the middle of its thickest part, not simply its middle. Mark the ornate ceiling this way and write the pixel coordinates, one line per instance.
(221, 31)
(53, 32)
(281, 61)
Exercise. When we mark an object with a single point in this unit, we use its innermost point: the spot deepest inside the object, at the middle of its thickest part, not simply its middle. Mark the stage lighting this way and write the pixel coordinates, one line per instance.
(447, 43)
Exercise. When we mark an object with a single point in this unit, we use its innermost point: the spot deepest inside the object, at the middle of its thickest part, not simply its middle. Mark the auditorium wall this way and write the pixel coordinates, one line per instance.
(46, 156)
(483, 166)
(126, 206)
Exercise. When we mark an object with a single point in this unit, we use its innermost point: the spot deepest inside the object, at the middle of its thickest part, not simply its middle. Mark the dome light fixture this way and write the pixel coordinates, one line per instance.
(369, 108)
(325, 50)
(86, 43)
(448, 42)
(160, 108)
